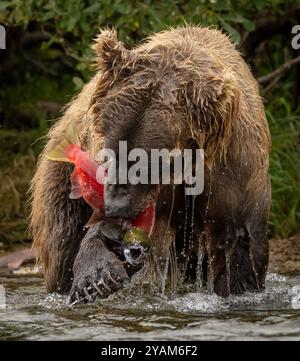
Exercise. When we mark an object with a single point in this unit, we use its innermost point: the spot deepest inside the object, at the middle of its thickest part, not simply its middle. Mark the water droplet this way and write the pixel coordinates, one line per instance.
(227, 262)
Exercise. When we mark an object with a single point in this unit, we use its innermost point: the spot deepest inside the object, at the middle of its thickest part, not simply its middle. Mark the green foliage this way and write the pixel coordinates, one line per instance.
(27, 96)
(284, 167)
(18, 158)
(73, 23)
(50, 71)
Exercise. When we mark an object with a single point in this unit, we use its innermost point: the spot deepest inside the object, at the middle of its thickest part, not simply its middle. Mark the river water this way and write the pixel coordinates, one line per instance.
(271, 315)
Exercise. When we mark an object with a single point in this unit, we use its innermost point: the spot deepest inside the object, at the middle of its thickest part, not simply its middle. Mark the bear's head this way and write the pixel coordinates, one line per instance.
(152, 97)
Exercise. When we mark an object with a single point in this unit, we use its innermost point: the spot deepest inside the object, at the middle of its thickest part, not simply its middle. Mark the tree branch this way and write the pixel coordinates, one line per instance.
(279, 71)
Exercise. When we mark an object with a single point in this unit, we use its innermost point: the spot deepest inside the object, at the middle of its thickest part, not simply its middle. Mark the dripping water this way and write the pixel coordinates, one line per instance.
(191, 238)
(165, 274)
(227, 263)
(159, 272)
(185, 252)
(173, 267)
(200, 257)
(253, 265)
(163, 265)
(210, 272)
(172, 249)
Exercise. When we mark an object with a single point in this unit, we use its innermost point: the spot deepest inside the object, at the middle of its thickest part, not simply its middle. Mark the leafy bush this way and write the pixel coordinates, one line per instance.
(73, 23)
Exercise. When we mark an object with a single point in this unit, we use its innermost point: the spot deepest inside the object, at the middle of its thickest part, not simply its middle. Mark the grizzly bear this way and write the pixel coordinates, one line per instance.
(187, 87)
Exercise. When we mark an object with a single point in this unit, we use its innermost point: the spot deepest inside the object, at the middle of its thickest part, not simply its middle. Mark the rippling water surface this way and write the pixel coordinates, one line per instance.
(193, 316)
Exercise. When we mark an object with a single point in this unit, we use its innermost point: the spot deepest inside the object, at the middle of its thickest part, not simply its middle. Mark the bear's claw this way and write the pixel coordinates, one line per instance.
(98, 272)
(100, 289)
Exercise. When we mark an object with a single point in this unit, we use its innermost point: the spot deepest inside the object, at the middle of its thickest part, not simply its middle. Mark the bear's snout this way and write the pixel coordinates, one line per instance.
(117, 201)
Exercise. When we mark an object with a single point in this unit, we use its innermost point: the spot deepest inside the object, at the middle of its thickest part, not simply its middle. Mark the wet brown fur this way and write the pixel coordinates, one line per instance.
(181, 84)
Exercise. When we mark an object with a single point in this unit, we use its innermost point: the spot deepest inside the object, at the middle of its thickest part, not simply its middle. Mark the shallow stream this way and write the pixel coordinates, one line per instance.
(271, 315)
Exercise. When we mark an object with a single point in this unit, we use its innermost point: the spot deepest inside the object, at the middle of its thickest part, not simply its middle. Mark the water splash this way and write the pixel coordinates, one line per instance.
(129, 316)
(54, 301)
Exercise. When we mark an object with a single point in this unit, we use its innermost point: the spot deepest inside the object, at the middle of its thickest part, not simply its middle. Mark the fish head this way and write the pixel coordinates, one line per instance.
(136, 244)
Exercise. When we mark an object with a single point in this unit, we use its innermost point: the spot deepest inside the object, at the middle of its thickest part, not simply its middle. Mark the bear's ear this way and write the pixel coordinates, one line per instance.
(111, 54)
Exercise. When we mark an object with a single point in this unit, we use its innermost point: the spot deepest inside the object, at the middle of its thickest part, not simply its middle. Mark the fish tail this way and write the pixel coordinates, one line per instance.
(59, 152)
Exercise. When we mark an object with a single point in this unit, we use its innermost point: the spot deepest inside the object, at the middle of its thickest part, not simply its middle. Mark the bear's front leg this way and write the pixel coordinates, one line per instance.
(98, 272)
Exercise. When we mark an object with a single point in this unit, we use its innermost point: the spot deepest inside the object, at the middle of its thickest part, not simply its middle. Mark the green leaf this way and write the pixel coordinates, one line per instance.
(78, 82)
(232, 32)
